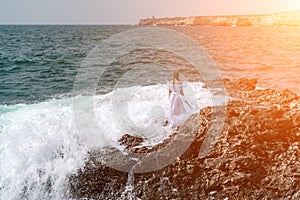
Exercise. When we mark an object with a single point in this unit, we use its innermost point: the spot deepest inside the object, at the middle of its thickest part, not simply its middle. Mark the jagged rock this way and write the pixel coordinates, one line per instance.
(130, 141)
(97, 181)
(257, 155)
(245, 84)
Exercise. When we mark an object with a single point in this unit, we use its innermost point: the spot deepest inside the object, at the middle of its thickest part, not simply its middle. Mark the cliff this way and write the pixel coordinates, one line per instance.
(256, 157)
(291, 18)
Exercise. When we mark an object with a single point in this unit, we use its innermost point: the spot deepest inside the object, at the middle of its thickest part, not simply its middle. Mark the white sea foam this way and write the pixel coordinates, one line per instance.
(145, 113)
(40, 145)
(39, 148)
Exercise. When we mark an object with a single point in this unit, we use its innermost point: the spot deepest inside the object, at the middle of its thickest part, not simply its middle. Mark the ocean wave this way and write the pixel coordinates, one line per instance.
(38, 149)
(250, 68)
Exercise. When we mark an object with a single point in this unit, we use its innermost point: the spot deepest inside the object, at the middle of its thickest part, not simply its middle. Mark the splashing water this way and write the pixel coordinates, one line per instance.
(41, 147)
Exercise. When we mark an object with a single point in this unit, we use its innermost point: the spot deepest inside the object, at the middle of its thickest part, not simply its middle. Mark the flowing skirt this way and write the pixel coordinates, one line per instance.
(180, 109)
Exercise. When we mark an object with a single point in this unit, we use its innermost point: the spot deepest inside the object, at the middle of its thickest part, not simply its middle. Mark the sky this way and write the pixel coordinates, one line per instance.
(129, 11)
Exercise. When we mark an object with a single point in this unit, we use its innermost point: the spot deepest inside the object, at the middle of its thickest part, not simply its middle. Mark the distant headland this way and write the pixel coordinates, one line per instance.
(290, 18)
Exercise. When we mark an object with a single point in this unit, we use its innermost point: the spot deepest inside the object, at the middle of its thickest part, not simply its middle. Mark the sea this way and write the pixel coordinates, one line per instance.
(41, 145)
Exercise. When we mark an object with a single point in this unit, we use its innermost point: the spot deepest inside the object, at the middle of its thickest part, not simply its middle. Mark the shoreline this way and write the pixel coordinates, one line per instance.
(290, 18)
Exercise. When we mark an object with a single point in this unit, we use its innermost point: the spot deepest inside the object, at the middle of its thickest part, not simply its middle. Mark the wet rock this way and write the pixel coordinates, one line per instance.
(130, 141)
(97, 181)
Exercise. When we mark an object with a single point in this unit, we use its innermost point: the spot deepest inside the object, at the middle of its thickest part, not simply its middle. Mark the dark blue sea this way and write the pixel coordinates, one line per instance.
(39, 62)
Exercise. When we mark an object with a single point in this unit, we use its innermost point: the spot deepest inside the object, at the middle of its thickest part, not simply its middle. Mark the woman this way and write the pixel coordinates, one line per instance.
(180, 108)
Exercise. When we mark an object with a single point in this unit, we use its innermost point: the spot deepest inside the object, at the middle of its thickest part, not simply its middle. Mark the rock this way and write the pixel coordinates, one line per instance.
(244, 84)
(256, 156)
(130, 141)
(97, 181)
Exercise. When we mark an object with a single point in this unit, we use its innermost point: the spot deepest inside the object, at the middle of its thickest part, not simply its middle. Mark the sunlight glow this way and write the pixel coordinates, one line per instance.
(293, 4)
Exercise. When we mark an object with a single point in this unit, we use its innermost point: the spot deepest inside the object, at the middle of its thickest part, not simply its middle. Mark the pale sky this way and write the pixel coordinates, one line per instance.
(128, 11)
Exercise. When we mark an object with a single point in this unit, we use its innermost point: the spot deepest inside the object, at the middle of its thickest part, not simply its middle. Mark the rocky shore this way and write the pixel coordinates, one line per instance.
(256, 157)
(291, 18)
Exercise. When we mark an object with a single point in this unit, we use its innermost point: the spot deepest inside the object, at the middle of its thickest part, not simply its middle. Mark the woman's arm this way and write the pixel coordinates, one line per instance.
(181, 92)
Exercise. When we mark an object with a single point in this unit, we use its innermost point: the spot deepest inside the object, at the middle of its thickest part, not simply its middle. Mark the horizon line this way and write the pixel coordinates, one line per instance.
(67, 24)
(157, 17)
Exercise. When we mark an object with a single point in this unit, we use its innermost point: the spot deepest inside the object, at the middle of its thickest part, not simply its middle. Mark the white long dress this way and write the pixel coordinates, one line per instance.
(180, 108)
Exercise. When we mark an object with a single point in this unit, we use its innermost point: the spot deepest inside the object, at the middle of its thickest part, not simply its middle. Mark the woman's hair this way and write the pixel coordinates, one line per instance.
(175, 76)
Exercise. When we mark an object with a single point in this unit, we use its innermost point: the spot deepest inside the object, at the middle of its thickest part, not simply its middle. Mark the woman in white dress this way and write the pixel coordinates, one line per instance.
(180, 108)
